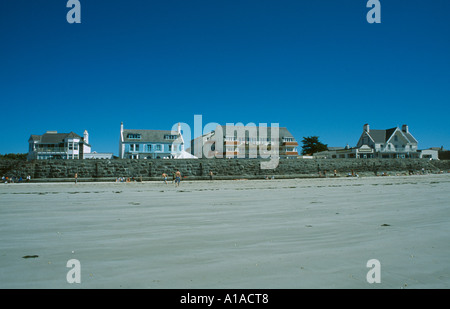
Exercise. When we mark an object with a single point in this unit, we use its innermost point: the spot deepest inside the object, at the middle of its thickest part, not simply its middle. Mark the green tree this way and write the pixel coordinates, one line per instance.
(14, 156)
(311, 144)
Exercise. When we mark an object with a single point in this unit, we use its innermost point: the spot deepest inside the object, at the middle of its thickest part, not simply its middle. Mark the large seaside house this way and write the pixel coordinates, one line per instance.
(244, 142)
(390, 143)
(54, 145)
(150, 144)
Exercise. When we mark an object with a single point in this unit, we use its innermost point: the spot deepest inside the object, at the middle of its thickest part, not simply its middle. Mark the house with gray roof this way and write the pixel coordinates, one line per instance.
(150, 144)
(54, 145)
(250, 141)
(389, 143)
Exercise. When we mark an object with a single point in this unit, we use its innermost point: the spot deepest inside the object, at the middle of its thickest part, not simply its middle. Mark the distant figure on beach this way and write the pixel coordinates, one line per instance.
(76, 178)
(177, 178)
(173, 177)
(28, 178)
(335, 173)
(210, 175)
(164, 175)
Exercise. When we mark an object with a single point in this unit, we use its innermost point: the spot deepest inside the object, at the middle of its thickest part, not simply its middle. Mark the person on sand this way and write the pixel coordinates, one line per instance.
(76, 178)
(177, 178)
(164, 175)
(210, 175)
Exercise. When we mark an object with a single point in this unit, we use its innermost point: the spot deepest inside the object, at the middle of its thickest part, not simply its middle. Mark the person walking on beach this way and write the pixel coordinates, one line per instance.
(177, 178)
(164, 175)
(76, 178)
(173, 177)
(210, 175)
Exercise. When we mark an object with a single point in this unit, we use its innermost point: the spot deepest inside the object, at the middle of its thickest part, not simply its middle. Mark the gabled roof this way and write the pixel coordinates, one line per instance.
(150, 136)
(282, 131)
(410, 137)
(35, 137)
(53, 138)
(382, 136)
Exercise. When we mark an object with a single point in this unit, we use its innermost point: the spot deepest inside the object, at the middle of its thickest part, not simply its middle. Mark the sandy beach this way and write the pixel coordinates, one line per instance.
(296, 233)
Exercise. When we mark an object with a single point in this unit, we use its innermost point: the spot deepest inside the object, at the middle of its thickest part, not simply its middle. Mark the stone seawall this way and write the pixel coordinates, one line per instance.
(106, 170)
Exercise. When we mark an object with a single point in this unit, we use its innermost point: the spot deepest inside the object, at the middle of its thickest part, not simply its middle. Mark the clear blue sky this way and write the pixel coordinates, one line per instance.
(315, 67)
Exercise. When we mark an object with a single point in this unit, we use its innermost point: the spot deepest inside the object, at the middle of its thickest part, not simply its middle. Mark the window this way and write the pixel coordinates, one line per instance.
(170, 147)
(149, 148)
(134, 147)
(170, 137)
(158, 147)
(134, 136)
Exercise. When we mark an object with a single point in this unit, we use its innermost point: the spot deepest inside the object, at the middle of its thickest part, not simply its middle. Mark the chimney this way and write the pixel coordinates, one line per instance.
(405, 128)
(181, 136)
(121, 127)
(86, 137)
(366, 128)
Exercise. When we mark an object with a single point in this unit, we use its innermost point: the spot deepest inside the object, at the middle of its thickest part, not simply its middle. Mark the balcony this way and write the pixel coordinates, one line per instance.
(52, 150)
(230, 143)
(289, 153)
(289, 143)
(396, 150)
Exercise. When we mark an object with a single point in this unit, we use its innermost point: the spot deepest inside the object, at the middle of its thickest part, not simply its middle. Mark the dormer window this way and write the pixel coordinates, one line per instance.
(170, 137)
(133, 136)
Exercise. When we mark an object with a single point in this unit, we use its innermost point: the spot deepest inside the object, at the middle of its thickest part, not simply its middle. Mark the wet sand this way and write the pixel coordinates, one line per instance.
(297, 233)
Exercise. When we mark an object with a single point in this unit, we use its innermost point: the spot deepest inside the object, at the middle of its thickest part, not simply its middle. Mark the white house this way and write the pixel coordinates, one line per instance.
(150, 144)
(390, 143)
(54, 145)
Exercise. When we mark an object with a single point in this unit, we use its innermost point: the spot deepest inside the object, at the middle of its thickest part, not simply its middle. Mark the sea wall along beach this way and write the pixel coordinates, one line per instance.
(222, 168)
